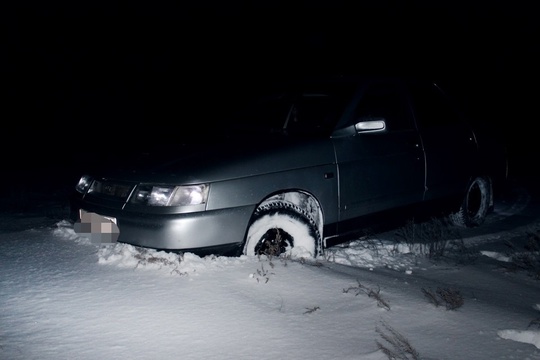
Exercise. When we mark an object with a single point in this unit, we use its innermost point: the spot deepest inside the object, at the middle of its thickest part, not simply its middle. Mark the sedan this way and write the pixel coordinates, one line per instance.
(297, 168)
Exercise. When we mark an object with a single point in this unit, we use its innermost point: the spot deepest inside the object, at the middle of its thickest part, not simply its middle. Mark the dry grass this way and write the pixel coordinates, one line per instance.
(262, 274)
(430, 239)
(450, 298)
(535, 322)
(395, 346)
(436, 239)
(528, 260)
(145, 257)
(372, 293)
(311, 310)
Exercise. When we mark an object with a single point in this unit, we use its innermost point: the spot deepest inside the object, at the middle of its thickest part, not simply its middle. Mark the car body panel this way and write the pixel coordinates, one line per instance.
(320, 181)
(448, 172)
(449, 142)
(388, 170)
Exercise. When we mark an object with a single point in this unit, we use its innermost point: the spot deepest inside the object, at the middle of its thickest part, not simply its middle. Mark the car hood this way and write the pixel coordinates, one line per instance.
(220, 160)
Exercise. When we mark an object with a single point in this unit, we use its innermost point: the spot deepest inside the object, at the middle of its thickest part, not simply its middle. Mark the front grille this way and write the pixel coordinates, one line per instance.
(110, 189)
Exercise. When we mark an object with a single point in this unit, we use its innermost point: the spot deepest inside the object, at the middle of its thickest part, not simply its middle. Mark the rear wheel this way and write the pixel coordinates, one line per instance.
(475, 205)
(280, 227)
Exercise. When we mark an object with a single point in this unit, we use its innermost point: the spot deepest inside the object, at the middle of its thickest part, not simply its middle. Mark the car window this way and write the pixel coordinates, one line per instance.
(265, 114)
(432, 108)
(387, 101)
(313, 114)
(293, 113)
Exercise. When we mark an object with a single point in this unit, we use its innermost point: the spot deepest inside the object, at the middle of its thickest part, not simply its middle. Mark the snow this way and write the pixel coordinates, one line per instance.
(63, 296)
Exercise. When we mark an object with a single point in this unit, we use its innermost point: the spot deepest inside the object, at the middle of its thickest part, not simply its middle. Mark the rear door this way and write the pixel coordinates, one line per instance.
(449, 142)
(380, 170)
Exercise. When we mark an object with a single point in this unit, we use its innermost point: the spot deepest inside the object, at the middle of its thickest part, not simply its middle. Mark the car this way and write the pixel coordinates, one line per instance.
(296, 168)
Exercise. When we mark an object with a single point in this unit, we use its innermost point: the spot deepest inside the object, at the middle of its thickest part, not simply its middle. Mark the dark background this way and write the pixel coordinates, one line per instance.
(110, 74)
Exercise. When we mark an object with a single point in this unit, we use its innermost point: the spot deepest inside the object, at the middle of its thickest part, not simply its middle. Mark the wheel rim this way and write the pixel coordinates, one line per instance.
(274, 242)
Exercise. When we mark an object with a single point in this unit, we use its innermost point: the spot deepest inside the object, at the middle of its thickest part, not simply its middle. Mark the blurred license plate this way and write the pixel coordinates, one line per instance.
(100, 229)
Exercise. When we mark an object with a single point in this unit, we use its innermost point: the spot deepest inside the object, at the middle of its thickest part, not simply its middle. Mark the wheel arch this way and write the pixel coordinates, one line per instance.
(310, 207)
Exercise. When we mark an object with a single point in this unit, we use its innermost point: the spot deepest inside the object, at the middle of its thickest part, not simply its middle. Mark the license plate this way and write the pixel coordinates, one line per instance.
(100, 229)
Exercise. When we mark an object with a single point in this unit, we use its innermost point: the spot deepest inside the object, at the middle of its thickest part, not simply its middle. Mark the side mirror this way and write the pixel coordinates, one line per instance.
(371, 125)
(365, 125)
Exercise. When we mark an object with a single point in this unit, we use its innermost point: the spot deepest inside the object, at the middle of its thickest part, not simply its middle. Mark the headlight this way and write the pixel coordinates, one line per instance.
(160, 195)
(84, 183)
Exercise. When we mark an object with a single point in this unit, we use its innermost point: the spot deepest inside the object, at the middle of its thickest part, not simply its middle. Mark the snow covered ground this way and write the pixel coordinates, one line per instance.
(472, 294)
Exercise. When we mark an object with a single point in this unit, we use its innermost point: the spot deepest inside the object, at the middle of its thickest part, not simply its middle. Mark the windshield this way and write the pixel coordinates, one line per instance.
(302, 112)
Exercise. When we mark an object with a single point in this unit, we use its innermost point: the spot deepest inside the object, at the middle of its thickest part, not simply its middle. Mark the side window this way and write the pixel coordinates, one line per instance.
(267, 113)
(432, 108)
(312, 114)
(386, 100)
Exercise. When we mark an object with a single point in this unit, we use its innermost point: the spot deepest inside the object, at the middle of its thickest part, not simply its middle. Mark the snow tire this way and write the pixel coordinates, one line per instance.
(279, 227)
(475, 205)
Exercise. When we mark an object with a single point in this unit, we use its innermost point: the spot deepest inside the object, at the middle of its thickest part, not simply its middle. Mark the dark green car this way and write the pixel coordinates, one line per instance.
(296, 169)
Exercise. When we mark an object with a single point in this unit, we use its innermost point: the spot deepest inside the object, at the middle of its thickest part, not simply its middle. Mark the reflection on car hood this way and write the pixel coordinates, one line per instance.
(220, 160)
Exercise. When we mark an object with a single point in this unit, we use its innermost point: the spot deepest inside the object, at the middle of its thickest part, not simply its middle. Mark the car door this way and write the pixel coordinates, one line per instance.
(379, 169)
(449, 142)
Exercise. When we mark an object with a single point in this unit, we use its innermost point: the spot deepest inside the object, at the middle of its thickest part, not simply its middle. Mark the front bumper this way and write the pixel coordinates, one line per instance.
(224, 228)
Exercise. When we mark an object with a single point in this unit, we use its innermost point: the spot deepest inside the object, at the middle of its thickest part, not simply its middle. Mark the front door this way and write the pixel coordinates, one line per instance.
(381, 169)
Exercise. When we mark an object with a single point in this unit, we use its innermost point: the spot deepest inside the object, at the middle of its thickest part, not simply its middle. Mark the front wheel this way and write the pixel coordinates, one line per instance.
(280, 227)
(475, 205)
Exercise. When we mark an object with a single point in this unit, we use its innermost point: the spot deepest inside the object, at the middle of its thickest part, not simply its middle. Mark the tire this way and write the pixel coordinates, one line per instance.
(475, 205)
(281, 227)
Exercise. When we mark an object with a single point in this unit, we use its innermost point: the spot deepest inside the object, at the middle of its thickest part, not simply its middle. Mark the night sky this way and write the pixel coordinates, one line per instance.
(109, 74)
